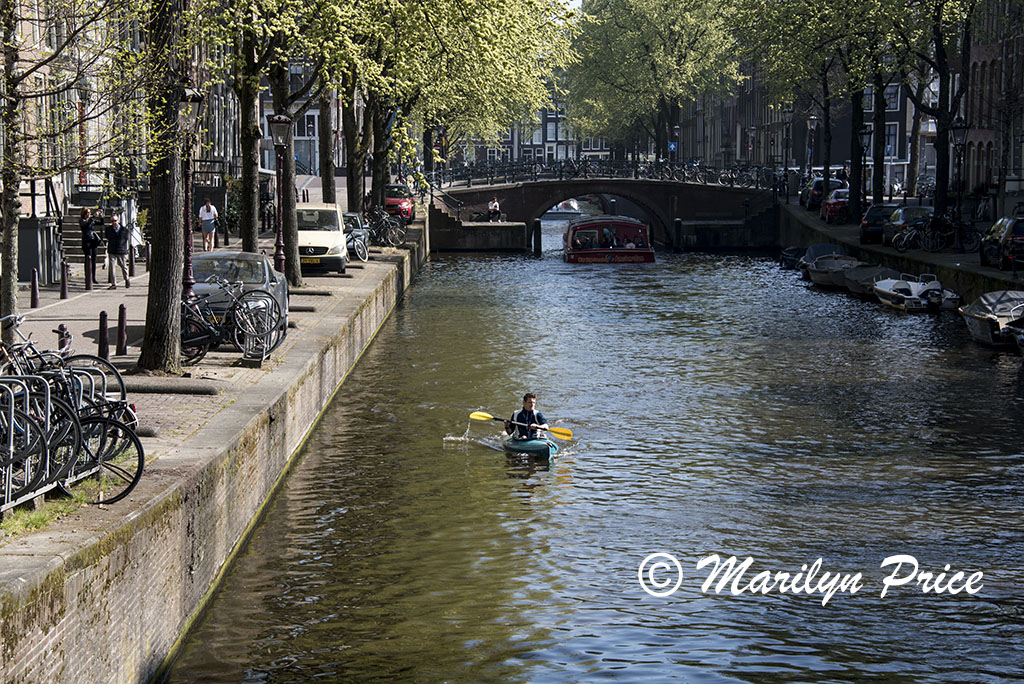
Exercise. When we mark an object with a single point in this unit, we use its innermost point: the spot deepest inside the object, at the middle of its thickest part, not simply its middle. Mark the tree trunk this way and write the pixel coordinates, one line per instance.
(250, 135)
(857, 207)
(381, 147)
(878, 152)
(161, 343)
(357, 136)
(327, 139)
(915, 142)
(10, 175)
(826, 121)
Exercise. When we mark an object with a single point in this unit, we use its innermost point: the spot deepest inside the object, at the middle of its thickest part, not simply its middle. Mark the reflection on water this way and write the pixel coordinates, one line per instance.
(720, 406)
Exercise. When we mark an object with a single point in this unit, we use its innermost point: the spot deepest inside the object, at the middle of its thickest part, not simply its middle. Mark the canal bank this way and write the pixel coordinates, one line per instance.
(104, 594)
(962, 273)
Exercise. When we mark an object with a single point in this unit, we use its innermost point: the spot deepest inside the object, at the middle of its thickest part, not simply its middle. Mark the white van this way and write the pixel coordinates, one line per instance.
(321, 237)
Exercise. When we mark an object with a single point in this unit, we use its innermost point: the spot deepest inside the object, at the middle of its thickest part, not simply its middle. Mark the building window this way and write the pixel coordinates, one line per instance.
(586, 143)
(892, 146)
(552, 126)
(892, 98)
(538, 136)
(869, 99)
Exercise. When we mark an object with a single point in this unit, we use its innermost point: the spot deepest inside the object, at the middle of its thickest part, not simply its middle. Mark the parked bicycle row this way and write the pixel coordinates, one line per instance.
(65, 425)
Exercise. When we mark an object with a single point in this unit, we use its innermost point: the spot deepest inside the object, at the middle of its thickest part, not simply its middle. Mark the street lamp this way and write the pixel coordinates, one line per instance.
(751, 143)
(865, 140)
(189, 106)
(812, 130)
(787, 119)
(959, 130)
(675, 135)
(280, 129)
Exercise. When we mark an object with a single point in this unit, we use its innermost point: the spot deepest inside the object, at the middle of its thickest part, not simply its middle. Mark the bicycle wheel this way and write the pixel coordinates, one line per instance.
(971, 240)
(359, 247)
(900, 242)
(396, 234)
(256, 313)
(934, 240)
(110, 462)
(31, 451)
(194, 342)
(64, 438)
(115, 383)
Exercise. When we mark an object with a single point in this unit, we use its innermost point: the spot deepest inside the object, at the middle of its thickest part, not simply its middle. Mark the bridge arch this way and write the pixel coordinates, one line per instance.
(664, 201)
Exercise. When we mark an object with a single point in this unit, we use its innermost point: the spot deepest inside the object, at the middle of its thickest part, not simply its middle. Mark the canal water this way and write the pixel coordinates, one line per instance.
(720, 406)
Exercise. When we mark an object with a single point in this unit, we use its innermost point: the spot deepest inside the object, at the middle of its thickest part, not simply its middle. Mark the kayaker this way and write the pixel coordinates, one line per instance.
(531, 420)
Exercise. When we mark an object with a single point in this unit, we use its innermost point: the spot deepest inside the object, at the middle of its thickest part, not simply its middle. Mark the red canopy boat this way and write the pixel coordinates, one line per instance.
(611, 239)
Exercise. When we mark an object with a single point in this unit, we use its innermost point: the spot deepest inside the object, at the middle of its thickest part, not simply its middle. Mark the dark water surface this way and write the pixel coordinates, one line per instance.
(720, 406)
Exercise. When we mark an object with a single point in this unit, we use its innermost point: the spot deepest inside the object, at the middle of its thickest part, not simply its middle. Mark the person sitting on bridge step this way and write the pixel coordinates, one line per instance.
(493, 210)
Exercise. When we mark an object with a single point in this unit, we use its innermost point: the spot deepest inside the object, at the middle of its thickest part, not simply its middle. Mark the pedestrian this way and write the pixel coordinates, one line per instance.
(493, 210)
(844, 173)
(525, 424)
(90, 240)
(208, 218)
(117, 250)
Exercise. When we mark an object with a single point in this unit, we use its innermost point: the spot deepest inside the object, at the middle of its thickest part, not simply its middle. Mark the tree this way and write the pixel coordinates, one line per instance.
(72, 70)
(639, 59)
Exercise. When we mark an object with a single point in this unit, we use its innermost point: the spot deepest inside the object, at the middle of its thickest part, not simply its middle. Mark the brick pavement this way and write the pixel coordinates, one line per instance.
(171, 419)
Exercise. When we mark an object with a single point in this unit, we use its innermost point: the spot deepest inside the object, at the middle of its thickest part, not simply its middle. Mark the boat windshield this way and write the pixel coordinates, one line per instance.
(608, 237)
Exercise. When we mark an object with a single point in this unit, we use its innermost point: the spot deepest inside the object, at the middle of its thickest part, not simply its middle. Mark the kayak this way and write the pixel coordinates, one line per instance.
(544, 448)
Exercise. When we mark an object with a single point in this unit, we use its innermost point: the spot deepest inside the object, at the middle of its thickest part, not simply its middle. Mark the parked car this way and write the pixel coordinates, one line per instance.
(811, 194)
(254, 271)
(836, 206)
(398, 201)
(354, 225)
(1003, 242)
(871, 225)
(321, 237)
(903, 217)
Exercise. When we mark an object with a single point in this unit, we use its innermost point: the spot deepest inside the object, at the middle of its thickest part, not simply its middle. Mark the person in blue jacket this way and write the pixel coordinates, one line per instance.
(531, 420)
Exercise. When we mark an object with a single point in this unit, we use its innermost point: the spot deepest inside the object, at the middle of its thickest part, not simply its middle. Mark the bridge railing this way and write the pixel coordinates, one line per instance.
(765, 178)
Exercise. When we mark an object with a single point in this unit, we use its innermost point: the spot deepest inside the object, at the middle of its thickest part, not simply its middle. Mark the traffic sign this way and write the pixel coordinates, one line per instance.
(673, 146)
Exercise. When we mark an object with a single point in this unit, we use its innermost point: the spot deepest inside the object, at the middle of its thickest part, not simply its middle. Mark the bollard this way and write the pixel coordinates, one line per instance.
(611, 205)
(102, 340)
(227, 243)
(63, 337)
(122, 331)
(677, 237)
(147, 256)
(88, 272)
(63, 280)
(35, 289)
(536, 237)
(131, 261)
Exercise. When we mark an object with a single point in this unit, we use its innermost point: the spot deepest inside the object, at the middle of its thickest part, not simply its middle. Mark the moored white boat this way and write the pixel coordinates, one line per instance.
(988, 317)
(860, 280)
(915, 294)
(814, 252)
(824, 269)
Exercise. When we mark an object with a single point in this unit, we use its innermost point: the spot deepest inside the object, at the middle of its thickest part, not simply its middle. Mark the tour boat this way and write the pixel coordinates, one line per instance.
(543, 448)
(607, 239)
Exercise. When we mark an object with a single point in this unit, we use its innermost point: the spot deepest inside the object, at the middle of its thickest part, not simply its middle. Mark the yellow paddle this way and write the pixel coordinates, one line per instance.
(561, 433)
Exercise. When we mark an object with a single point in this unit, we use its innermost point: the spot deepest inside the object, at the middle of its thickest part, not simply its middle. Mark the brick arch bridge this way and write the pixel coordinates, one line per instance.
(663, 201)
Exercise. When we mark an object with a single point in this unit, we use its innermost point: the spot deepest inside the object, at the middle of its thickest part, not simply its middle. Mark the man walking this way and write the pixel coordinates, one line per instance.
(117, 250)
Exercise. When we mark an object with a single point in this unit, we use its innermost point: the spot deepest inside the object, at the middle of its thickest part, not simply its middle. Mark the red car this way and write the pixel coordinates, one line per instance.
(398, 201)
(835, 207)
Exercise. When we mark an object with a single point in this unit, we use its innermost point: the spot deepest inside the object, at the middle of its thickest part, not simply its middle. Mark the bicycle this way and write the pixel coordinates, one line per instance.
(384, 228)
(356, 245)
(945, 231)
(252, 322)
(911, 237)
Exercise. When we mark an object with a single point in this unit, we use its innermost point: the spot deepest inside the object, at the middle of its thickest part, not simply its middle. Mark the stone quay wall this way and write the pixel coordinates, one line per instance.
(105, 595)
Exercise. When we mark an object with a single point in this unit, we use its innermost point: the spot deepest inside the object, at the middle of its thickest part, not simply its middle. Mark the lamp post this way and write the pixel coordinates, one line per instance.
(959, 130)
(812, 131)
(280, 129)
(751, 143)
(189, 106)
(787, 119)
(675, 136)
(865, 139)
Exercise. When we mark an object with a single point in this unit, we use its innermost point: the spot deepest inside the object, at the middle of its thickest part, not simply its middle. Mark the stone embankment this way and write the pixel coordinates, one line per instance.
(962, 273)
(104, 594)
